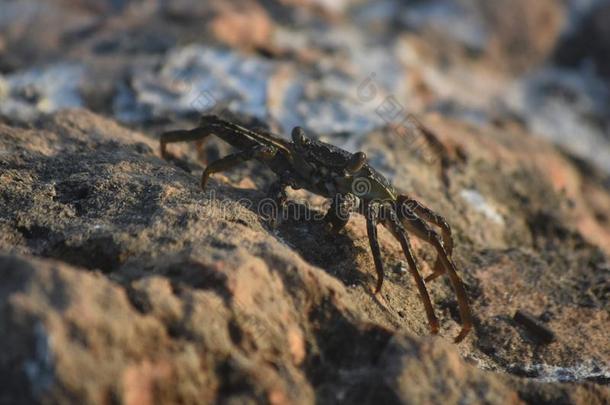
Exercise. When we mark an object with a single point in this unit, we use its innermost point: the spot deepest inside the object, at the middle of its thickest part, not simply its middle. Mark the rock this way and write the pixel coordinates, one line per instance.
(438, 365)
(588, 41)
(536, 329)
(123, 281)
(246, 28)
(467, 31)
(540, 26)
(34, 32)
(26, 95)
(304, 62)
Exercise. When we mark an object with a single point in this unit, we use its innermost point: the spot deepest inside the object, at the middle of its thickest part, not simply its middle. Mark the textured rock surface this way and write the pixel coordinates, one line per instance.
(145, 288)
(122, 282)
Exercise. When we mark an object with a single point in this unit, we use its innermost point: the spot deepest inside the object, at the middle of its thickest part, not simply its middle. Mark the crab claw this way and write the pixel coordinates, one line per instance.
(298, 136)
(355, 163)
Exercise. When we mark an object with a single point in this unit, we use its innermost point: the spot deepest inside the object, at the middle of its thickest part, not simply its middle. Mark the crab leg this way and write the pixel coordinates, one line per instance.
(339, 212)
(372, 217)
(229, 162)
(240, 137)
(181, 136)
(431, 216)
(414, 224)
(400, 233)
(277, 191)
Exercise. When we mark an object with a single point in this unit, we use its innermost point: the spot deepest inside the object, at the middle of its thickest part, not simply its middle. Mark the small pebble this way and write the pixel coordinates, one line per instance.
(529, 322)
(400, 268)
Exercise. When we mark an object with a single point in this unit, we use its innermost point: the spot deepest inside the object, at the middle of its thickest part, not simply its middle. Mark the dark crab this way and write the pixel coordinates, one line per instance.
(352, 184)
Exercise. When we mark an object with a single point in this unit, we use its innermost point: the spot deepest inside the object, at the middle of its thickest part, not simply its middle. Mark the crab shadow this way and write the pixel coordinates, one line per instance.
(305, 231)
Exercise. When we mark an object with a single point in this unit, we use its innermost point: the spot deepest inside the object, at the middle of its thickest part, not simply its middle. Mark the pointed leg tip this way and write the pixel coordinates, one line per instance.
(464, 332)
(378, 288)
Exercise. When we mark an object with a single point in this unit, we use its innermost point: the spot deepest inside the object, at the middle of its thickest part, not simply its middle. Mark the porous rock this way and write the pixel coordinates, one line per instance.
(123, 281)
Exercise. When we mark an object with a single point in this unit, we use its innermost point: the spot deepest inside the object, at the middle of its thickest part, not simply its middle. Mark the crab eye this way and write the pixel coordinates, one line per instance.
(299, 137)
(356, 162)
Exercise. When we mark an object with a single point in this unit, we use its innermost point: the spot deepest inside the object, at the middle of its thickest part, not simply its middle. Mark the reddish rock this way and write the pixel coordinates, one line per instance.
(122, 281)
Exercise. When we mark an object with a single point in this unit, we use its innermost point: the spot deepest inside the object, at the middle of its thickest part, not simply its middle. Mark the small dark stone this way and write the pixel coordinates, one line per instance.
(400, 268)
(534, 327)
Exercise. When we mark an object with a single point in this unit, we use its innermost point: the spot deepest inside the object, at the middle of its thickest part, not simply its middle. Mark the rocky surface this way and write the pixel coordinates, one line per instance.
(146, 289)
(123, 282)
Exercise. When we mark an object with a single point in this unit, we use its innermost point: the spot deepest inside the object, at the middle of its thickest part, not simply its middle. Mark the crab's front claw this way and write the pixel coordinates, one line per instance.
(299, 137)
(356, 162)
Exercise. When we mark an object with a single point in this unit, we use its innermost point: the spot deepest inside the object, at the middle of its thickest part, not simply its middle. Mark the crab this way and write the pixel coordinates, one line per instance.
(354, 187)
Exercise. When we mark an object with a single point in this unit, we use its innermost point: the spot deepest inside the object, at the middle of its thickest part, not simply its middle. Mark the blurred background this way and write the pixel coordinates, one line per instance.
(332, 66)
